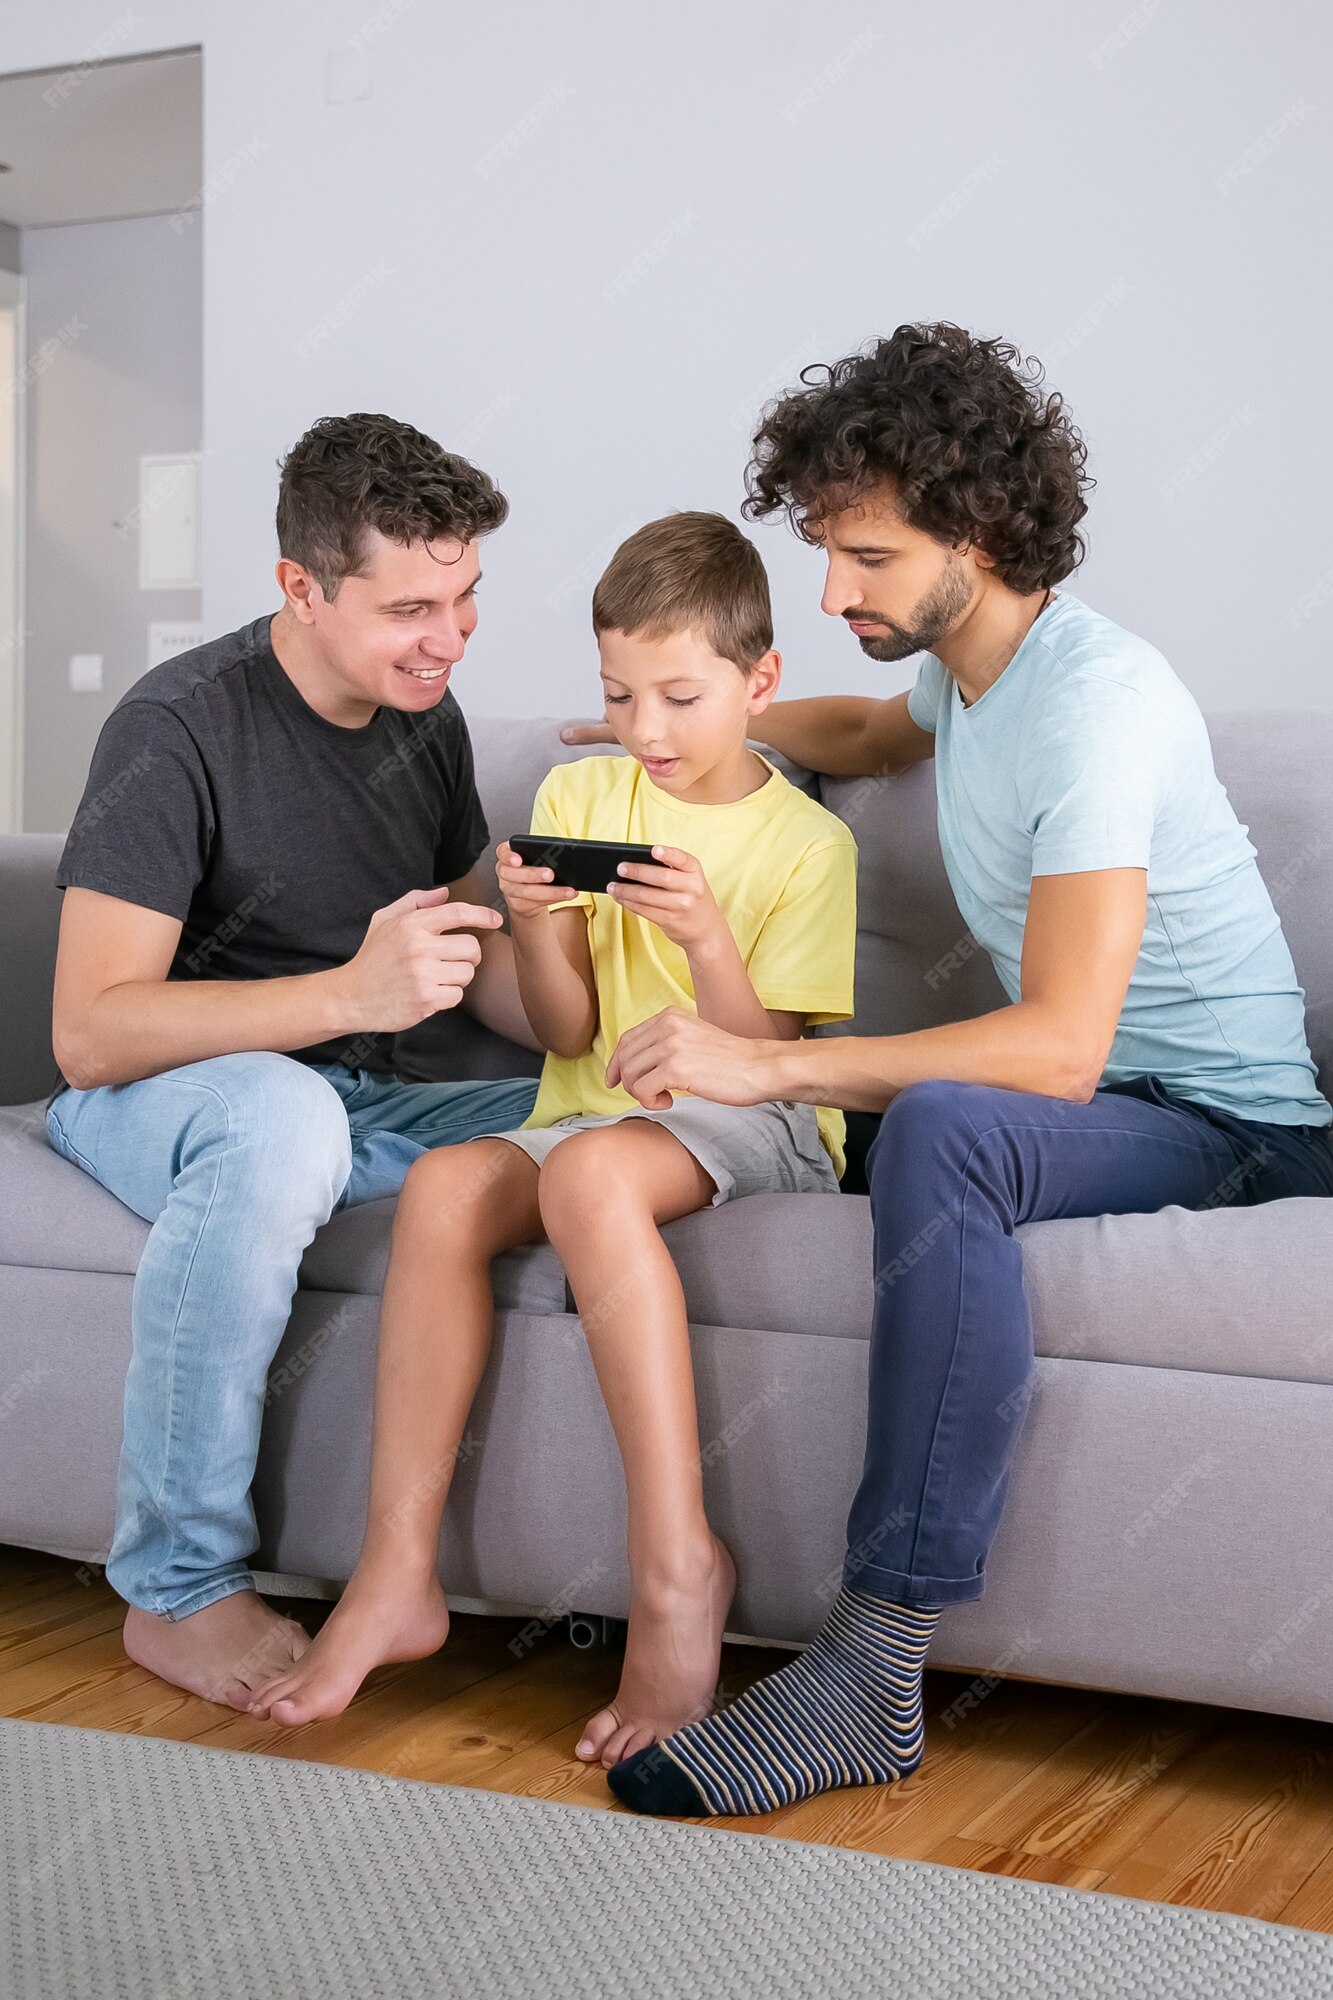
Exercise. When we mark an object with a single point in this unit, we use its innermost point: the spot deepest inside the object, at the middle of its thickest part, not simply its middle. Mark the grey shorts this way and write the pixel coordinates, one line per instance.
(747, 1149)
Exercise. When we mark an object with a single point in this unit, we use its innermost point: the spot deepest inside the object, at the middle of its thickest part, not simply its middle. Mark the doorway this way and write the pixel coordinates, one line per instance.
(11, 551)
(101, 388)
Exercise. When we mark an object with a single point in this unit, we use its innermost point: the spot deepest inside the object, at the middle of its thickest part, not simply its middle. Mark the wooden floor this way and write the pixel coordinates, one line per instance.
(1218, 1808)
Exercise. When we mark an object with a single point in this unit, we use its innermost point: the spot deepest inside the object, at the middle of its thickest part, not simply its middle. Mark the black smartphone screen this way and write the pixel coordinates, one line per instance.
(586, 865)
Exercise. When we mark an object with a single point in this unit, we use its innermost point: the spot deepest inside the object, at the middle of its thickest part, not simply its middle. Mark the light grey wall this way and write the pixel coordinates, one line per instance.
(585, 242)
(9, 247)
(114, 345)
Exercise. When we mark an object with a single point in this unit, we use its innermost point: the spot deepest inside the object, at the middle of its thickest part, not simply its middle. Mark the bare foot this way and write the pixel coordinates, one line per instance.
(672, 1652)
(223, 1652)
(380, 1617)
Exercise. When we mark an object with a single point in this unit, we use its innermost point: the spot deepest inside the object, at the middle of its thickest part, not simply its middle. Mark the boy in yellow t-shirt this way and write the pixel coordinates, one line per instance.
(747, 915)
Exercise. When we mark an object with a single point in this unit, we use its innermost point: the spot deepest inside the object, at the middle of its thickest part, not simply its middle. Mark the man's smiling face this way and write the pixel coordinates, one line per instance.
(899, 589)
(394, 635)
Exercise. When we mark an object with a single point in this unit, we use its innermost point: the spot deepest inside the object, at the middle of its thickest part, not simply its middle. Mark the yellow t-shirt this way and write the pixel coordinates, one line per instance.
(783, 872)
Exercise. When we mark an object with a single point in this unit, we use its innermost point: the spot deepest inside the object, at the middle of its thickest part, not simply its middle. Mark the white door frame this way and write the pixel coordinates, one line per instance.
(13, 400)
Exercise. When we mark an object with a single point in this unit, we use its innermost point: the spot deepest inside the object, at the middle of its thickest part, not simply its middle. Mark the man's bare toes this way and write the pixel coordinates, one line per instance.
(634, 1736)
(280, 1647)
(590, 1746)
(611, 1752)
(298, 1639)
(231, 1694)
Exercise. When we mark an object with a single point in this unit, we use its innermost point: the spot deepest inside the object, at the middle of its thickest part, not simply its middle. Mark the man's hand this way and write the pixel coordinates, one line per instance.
(675, 1050)
(587, 732)
(845, 735)
(674, 895)
(528, 891)
(416, 958)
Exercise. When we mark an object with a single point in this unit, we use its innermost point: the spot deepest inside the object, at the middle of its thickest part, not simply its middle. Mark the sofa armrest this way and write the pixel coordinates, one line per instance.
(29, 926)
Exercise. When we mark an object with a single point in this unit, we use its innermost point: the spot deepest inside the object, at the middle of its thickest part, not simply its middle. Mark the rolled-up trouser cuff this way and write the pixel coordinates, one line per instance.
(896, 1588)
(194, 1600)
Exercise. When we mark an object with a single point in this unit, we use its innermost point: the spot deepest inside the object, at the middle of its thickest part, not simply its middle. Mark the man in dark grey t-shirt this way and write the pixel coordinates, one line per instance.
(270, 874)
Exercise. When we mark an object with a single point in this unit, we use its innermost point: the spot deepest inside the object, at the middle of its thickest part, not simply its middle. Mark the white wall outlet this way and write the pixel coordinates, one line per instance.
(85, 673)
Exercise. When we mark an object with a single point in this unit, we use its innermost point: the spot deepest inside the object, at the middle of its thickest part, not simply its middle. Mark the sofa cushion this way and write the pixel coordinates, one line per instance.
(917, 965)
(798, 1263)
(351, 1254)
(53, 1216)
(1275, 770)
(1223, 1291)
(1228, 1292)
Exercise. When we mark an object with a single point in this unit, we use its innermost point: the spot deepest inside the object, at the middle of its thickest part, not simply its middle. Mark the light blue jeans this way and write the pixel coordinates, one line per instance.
(236, 1162)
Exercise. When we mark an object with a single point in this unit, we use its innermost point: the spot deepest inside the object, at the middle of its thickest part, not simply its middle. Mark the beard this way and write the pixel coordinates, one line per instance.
(943, 603)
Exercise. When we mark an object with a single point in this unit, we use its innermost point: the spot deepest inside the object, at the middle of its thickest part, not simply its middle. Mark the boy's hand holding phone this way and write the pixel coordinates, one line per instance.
(672, 892)
(528, 891)
(556, 981)
(664, 885)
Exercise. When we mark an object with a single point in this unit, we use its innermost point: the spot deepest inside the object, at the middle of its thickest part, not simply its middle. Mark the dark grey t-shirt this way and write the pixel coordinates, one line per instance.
(219, 796)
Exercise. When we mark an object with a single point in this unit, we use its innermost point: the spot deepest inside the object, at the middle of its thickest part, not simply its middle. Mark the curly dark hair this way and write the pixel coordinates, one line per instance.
(351, 474)
(957, 426)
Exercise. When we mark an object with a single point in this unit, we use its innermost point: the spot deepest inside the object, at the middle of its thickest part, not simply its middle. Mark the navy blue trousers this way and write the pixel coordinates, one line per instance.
(953, 1170)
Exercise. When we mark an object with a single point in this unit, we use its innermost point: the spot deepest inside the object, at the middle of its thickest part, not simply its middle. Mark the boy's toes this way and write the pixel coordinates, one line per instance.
(262, 1699)
(296, 1698)
(592, 1744)
(288, 1710)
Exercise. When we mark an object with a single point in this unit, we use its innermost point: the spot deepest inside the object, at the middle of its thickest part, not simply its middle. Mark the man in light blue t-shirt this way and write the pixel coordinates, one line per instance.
(1087, 754)
(1152, 1051)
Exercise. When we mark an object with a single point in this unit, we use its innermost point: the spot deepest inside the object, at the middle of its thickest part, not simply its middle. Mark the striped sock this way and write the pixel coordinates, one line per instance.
(846, 1712)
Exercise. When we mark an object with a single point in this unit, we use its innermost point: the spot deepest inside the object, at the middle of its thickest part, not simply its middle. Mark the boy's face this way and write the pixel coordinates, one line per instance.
(677, 706)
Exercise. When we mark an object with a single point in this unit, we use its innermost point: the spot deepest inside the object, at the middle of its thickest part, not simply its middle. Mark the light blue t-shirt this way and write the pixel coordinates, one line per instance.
(1088, 752)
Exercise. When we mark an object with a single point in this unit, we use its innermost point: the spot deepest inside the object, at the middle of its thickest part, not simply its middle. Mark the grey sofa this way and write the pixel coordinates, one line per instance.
(1171, 1511)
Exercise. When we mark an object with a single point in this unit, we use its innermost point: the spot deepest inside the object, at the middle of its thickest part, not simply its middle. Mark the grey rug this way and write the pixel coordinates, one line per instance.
(144, 1870)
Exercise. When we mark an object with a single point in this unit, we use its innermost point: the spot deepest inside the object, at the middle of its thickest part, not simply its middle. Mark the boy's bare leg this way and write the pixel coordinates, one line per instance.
(459, 1207)
(602, 1195)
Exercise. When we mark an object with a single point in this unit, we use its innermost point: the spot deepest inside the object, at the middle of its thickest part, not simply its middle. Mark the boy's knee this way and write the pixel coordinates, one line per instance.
(448, 1188)
(580, 1179)
(433, 1180)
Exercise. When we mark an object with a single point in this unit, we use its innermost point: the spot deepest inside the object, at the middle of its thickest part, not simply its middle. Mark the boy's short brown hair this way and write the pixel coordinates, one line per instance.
(689, 573)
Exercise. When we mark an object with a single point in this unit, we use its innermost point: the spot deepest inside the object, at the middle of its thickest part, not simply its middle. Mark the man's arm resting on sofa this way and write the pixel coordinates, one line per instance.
(1080, 944)
(118, 1018)
(842, 735)
(845, 735)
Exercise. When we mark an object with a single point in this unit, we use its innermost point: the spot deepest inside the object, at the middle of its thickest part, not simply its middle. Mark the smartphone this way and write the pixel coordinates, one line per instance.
(586, 865)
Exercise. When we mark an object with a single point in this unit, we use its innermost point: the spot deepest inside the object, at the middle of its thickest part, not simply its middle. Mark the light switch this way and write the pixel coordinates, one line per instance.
(85, 673)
